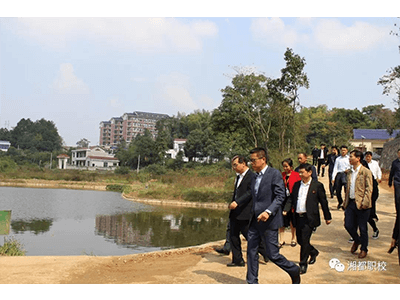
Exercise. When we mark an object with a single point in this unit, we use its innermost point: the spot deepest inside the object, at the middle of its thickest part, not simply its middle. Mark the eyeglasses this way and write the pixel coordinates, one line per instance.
(252, 160)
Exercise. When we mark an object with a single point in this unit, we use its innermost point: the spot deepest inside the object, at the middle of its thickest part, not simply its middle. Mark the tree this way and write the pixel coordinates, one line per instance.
(41, 135)
(260, 109)
(83, 143)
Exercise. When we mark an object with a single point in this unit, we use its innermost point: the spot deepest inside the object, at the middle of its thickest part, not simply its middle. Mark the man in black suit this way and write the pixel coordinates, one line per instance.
(268, 191)
(305, 197)
(239, 216)
(322, 155)
(302, 159)
(314, 154)
(330, 162)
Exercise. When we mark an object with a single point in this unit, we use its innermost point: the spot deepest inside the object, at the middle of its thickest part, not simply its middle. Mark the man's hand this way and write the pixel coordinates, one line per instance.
(328, 222)
(333, 182)
(263, 217)
(284, 213)
(233, 205)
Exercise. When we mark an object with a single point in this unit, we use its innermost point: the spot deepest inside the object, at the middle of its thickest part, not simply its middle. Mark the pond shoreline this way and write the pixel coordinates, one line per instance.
(98, 186)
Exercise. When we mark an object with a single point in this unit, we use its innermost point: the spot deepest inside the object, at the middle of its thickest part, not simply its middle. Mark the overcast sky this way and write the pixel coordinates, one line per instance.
(78, 72)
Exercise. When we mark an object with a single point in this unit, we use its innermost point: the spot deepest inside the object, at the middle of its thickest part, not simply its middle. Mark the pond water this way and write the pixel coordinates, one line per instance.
(76, 222)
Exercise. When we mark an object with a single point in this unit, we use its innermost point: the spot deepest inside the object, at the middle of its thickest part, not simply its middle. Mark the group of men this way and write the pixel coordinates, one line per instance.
(260, 198)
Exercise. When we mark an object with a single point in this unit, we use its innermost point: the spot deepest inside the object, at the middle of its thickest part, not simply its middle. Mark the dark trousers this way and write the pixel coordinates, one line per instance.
(227, 245)
(340, 182)
(357, 219)
(257, 234)
(241, 227)
(314, 161)
(332, 187)
(372, 215)
(320, 163)
(303, 234)
(397, 197)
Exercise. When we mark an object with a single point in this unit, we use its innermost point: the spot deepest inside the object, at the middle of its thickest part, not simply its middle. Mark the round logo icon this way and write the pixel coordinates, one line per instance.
(339, 267)
(333, 262)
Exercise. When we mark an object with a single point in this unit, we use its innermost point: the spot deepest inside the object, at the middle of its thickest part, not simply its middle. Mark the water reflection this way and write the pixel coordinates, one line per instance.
(164, 229)
(36, 226)
(73, 222)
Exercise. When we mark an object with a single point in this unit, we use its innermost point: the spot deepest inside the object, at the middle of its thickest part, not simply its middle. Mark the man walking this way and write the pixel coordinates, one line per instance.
(304, 199)
(358, 203)
(314, 154)
(268, 191)
(342, 164)
(302, 159)
(239, 216)
(322, 155)
(330, 162)
(394, 178)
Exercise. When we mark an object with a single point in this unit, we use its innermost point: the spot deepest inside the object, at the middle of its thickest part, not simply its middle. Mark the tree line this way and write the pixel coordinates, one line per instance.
(255, 111)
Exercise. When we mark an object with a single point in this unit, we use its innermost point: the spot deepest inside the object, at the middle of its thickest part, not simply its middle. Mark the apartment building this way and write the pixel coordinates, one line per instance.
(128, 127)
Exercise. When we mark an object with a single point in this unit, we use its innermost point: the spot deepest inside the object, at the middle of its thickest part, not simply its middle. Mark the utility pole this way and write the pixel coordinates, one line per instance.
(51, 159)
(138, 163)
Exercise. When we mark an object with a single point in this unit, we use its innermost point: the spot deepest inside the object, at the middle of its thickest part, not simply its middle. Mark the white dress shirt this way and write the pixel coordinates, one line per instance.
(301, 200)
(342, 164)
(354, 174)
(375, 169)
(322, 153)
(241, 176)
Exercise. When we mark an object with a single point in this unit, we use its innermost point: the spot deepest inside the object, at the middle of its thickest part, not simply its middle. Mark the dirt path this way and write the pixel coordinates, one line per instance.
(201, 264)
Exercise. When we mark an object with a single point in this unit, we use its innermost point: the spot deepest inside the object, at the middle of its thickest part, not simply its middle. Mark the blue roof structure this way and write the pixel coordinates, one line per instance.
(374, 134)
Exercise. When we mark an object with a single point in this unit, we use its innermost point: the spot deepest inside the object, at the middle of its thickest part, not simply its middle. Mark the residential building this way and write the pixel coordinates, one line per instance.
(93, 158)
(5, 145)
(127, 127)
(372, 139)
(179, 145)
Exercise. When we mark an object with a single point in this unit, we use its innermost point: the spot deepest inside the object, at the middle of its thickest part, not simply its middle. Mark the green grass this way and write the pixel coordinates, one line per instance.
(12, 247)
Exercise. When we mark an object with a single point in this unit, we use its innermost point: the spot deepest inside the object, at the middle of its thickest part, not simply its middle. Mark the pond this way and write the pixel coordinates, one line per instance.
(77, 222)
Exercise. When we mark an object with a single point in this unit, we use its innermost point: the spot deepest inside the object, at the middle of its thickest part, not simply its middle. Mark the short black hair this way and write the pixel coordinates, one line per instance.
(306, 167)
(358, 154)
(303, 153)
(343, 146)
(335, 147)
(322, 144)
(368, 153)
(261, 152)
(241, 159)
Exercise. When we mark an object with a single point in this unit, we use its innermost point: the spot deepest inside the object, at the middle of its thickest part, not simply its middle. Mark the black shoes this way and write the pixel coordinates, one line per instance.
(222, 251)
(313, 259)
(303, 269)
(376, 234)
(296, 279)
(232, 264)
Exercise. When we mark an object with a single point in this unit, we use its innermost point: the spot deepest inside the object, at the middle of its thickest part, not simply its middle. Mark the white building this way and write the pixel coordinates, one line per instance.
(4, 145)
(179, 145)
(93, 158)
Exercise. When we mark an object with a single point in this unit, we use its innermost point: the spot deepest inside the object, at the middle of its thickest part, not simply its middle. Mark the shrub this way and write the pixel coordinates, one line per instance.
(156, 169)
(12, 247)
(122, 170)
(7, 164)
(206, 195)
(116, 188)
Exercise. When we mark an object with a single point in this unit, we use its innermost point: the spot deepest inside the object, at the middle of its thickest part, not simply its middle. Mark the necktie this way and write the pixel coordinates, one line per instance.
(257, 184)
(236, 185)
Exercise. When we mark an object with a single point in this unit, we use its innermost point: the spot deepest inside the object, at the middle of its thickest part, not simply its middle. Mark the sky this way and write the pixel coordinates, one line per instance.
(80, 67)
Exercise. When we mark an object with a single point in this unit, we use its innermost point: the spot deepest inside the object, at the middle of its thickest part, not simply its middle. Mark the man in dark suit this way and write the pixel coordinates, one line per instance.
(314, 154)
(302, 159)
(268, 191)
(322, 155)
(305, 197)
(239, 216)
(330, 162)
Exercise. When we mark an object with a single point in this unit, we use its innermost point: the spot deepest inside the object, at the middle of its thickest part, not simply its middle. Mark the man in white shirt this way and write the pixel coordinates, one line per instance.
(377, 173)
(339, 176)
(305, 199)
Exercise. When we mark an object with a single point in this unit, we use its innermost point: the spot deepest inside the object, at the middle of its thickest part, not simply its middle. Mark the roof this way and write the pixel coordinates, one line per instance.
(63, 156)
(102, 158)
(374, 134)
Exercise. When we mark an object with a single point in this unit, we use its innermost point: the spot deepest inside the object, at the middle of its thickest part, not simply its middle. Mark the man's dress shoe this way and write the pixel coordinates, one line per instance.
(222, 251)
(362, 254)
(354, 247)
(303, 269)
(296, 278)
(313, 259)
(232, 264)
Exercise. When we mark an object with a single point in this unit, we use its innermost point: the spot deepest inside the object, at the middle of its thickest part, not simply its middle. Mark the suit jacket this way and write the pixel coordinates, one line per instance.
(316, 195)
(243, 198)
(363, 189)
(271, 195)
(325, 153)
(330, 161)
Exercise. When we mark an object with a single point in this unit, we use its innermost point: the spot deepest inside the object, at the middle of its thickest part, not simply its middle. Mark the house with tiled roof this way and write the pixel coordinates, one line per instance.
(93, 158)
(372, 139)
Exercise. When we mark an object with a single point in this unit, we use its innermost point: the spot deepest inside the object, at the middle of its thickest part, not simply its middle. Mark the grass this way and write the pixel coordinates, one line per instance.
(194, 182)
(12, 247)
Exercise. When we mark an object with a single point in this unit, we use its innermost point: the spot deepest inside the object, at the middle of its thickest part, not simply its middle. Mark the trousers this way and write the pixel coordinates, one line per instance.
(269, 237)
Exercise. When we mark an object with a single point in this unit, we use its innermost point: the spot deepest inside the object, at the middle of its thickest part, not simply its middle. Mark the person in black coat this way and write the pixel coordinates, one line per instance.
(322, 156)
(304, 199)
(240, 210)
(330, 162)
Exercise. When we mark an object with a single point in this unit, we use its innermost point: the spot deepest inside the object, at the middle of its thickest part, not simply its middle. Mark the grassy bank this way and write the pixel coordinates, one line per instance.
(195, 183)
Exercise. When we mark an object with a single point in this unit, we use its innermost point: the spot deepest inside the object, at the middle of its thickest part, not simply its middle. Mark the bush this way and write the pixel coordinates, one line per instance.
(12, 247)
(7, 164)
(156, 169)
(116, 188)
(122, 170)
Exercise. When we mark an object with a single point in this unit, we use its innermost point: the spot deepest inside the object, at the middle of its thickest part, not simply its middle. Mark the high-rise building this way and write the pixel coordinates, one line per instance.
(128, 127)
